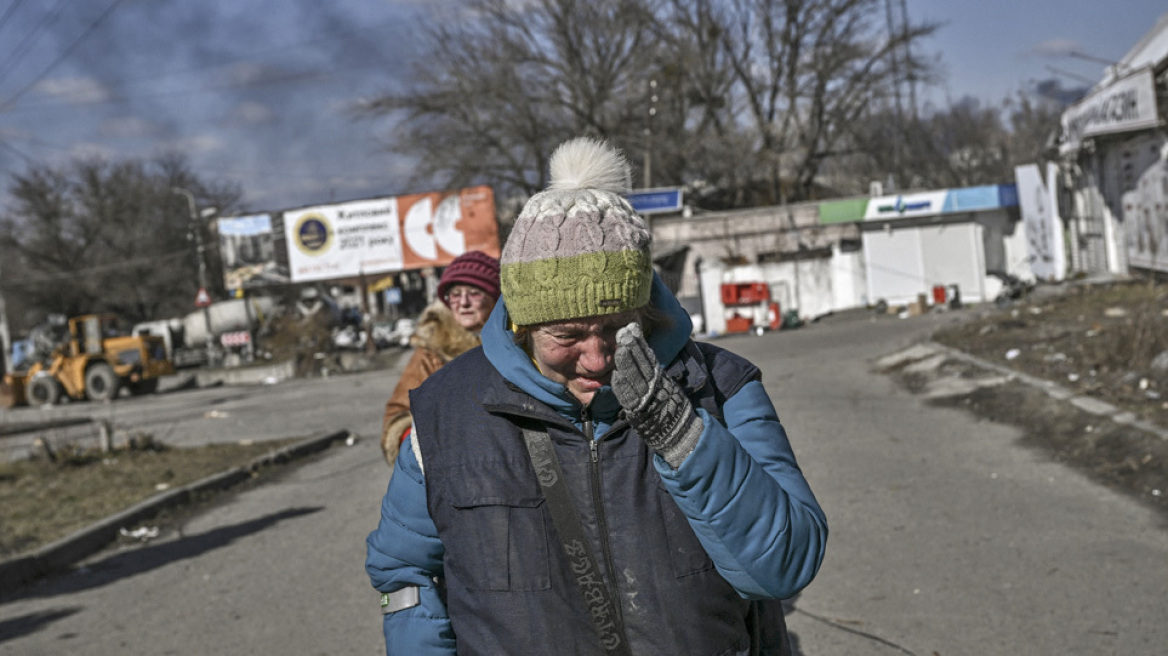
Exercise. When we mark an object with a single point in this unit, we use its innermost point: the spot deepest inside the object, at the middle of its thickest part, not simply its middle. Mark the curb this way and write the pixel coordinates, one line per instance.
(58, 556)
(1087, 404)
(17, 428)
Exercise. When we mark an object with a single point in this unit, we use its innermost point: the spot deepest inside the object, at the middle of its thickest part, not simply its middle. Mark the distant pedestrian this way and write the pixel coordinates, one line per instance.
(447, 328)
(591, 481)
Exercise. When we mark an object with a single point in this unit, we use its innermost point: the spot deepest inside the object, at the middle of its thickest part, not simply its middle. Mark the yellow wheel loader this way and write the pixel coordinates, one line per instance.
(94, 362)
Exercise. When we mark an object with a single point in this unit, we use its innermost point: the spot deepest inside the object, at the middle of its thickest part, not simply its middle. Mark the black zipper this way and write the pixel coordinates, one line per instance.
(598, 503)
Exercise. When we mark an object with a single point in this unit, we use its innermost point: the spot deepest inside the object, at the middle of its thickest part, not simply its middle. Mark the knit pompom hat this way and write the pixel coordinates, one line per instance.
(471, 268)
(578, 249)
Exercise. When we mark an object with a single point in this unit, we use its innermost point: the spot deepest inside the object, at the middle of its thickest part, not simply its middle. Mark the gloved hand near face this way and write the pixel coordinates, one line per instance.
(655, 405)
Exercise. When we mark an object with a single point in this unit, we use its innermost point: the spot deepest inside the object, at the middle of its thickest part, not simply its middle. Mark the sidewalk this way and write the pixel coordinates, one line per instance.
(62, 554)
(928, 357)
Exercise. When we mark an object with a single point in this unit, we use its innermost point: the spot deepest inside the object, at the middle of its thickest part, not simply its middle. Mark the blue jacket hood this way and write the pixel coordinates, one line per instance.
(516, 366)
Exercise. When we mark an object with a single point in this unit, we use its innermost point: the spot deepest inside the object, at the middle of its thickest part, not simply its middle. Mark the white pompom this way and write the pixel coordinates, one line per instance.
(587, 163)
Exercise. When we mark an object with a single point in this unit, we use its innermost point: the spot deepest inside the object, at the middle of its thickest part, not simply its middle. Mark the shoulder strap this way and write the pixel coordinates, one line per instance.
(597, 597)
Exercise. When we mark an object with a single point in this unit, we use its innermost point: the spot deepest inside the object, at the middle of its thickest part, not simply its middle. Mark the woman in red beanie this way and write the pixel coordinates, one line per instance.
(467, 292)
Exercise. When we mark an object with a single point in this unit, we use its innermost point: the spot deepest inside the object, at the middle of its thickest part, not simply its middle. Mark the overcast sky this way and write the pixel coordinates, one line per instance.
(255, 91)
(258, 91)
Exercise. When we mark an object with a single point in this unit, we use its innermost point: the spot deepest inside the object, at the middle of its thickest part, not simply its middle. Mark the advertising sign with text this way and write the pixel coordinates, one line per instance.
(1126, 104)
(389, 234)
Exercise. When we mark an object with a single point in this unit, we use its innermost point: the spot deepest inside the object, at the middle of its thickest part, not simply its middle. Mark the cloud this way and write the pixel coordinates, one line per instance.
(250, 113)
(75, 90)
(1056, 48)
(196, 145)
(250, 74)
(88, 150)
(128, 127)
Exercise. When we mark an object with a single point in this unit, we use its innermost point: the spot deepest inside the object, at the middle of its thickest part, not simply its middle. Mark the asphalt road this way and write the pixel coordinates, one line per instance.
(947, 537)
(188, 417)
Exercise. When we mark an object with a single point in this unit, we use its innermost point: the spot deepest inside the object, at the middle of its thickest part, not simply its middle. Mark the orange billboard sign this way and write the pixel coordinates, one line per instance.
(389, 234)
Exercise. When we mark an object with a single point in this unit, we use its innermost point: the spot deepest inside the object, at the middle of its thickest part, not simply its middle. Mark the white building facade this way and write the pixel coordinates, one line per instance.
(1114, 164)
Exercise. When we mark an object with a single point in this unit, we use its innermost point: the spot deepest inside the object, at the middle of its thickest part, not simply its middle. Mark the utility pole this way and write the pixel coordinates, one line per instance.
(199, 248)
(5, 336)
(649, 134)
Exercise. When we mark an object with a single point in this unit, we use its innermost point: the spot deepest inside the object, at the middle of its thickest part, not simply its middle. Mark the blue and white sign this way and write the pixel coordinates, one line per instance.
(655, 201)
(393, 296)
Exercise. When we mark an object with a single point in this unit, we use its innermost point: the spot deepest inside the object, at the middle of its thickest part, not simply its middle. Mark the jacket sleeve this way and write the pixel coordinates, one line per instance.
(422, 363)
(747, 499)
(405, 550)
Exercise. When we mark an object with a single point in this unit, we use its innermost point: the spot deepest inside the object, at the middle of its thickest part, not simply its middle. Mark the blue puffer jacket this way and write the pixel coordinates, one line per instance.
(741, 491)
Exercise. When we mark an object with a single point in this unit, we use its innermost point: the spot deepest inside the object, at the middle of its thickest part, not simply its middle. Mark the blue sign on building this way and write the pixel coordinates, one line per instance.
(655, 201)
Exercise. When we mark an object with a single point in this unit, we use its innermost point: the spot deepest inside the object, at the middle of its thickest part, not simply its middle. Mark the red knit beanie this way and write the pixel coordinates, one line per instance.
(471, 268)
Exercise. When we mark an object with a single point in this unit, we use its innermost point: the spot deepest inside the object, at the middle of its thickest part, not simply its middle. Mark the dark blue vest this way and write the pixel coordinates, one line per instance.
(509, 589)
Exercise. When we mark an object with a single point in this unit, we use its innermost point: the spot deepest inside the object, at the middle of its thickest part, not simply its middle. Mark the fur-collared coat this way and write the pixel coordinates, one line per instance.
(438, 339)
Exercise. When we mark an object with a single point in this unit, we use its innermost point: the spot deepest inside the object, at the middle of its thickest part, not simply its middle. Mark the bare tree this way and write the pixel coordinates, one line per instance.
(97, 236)
(505, 83)
(961, 145)
(1034, 125)
(805, 70)
(752, 96)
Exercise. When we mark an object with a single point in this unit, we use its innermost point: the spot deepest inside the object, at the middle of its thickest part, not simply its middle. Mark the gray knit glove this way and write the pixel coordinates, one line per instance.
(655, 405)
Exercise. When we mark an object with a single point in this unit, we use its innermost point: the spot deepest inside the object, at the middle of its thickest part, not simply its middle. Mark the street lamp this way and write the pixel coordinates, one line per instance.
(5, 339)
(649, 133)
(193, 218)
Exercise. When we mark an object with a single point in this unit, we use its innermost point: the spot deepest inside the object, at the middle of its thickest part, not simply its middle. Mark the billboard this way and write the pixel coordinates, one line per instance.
(389, 234)
(1126, 104)
(248, 251)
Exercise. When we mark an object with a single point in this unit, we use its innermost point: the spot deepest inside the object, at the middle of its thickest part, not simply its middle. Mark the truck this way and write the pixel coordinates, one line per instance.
(90, 360)
(223, 325)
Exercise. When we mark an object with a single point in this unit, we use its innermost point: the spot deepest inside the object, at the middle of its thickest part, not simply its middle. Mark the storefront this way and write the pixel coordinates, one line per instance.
(1114, 163)
(968, 239)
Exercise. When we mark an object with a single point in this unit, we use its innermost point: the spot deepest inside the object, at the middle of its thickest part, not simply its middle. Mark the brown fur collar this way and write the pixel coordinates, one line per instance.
(438, 331)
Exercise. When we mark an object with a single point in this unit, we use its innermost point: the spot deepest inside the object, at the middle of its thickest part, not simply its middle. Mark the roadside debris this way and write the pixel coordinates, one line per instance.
(142, 533)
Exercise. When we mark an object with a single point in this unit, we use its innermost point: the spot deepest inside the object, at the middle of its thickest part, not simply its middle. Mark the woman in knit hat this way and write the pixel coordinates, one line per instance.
(592, 481)
(447, 328)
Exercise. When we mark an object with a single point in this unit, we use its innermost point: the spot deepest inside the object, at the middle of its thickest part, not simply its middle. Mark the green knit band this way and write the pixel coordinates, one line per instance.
(555, 289)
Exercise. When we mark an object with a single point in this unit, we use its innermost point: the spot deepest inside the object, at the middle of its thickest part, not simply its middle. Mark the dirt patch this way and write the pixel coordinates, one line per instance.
(1104, 341)
(44, 501)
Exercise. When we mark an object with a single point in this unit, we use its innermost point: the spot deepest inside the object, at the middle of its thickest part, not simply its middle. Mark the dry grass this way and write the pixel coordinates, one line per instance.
(44, 501)
(1098, 340)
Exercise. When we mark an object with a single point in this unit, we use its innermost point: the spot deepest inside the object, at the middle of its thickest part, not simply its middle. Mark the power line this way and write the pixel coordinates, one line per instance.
(259, 53)
(25, 44)
(8, 12)
(294, 77)
(68, 51)
(290, 78)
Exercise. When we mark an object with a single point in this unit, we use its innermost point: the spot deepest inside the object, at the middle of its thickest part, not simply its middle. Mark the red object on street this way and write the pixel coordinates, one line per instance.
(745, 293)
(939, 294)
(202, 299)
(738, 324)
